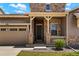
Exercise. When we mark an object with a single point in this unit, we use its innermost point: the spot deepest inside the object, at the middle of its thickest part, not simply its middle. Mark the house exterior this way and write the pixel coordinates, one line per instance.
(43, 25)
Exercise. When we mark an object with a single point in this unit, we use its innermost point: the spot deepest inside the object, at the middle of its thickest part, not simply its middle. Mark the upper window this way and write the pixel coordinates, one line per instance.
(47, 7)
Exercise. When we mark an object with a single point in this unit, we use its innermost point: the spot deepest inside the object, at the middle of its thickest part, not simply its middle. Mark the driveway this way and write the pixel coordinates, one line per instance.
(11, 51)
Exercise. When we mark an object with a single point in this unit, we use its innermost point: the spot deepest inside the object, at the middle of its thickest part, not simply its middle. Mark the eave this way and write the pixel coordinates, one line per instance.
(13, 16)
(52, 14)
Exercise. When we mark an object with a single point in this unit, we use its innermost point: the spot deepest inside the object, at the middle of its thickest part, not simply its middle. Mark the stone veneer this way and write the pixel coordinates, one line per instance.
(39, 7)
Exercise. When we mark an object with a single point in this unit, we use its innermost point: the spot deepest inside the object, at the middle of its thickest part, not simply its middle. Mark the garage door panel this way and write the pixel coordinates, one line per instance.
(13, 37)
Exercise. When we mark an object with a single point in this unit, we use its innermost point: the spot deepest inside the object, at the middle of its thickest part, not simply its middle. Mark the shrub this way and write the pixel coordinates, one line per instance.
(59, 44)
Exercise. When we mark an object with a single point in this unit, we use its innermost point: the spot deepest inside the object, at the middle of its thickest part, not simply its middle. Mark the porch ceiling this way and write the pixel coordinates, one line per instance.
(52, 14)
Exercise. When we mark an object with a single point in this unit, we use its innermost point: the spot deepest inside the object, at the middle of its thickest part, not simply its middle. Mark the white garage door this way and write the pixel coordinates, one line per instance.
(13, 35)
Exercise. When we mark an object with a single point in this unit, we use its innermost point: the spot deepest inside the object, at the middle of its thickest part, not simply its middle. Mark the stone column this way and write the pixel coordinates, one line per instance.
(48, 31)
(27, 37)
(31, 31)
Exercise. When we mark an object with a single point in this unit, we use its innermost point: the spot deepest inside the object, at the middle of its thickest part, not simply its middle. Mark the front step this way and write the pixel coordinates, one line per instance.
(40, 48)
(39, 45)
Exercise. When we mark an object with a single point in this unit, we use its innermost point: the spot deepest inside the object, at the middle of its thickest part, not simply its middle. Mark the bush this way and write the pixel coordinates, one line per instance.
(59, 44)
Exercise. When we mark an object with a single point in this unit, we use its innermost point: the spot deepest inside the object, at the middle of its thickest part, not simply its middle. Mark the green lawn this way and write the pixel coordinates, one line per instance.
(22, 53)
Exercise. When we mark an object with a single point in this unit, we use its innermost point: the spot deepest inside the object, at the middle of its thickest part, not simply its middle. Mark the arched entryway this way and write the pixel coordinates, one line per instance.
(38, 30)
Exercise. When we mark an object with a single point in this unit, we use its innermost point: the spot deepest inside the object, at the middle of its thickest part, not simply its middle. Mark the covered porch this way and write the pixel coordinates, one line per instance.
(46, 27)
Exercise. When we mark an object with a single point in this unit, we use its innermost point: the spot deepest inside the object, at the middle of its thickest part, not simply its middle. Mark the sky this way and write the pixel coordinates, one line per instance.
(21, 8)
(15, 8)
(71, 6)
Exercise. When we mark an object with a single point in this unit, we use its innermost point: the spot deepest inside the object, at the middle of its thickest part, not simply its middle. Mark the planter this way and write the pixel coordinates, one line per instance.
(58, 49)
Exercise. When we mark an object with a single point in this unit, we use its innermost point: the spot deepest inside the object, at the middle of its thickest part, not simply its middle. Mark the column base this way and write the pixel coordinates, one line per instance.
(30, 39)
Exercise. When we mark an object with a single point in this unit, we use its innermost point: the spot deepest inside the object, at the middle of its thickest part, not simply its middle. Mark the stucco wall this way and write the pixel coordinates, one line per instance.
(73, 31)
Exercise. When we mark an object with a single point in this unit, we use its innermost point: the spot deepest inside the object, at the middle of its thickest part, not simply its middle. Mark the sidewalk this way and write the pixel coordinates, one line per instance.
(11, 51)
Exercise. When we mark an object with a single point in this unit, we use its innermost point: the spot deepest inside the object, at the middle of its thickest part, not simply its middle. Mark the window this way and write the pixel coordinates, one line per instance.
(47, 7)
(13, 29)
(55, 29)
(22, 29)
(3, 29)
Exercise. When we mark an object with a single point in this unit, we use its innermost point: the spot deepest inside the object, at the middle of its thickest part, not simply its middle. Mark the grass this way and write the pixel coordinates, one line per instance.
(22, 53)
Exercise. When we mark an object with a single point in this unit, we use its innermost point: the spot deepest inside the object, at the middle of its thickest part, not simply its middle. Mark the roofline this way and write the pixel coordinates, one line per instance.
(2, 10)
(34, 14)
(13, 16)
(73, 10)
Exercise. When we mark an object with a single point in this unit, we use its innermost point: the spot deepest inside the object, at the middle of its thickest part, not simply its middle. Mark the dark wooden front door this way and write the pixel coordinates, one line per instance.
(39, 32)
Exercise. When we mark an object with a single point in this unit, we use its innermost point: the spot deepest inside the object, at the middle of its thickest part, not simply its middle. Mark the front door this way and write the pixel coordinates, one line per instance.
(39, 33)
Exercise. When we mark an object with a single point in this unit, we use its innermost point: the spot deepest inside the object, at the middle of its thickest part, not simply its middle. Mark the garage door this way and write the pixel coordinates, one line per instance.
(13, 35)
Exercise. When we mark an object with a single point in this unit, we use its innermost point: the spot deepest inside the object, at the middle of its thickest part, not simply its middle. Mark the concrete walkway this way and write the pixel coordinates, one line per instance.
(11, 51)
